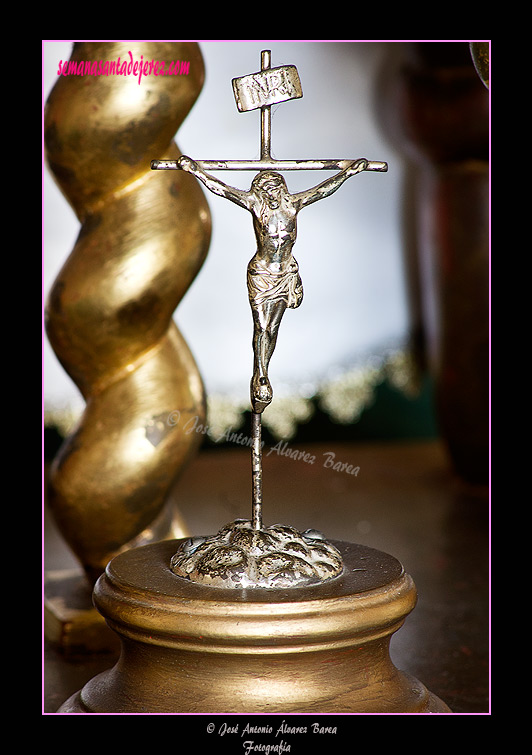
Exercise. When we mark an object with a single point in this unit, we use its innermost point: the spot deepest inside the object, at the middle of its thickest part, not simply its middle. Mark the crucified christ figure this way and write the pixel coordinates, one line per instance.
(273, 274)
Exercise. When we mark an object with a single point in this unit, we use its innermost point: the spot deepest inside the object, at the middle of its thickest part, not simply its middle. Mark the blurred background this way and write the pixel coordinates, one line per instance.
(362, 357)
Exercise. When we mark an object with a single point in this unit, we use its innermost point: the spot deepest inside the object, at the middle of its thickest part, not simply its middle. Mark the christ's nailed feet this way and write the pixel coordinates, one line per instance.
(261, 393)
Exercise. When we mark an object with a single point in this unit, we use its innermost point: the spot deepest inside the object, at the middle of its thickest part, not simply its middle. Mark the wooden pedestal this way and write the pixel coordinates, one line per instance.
(187, 648)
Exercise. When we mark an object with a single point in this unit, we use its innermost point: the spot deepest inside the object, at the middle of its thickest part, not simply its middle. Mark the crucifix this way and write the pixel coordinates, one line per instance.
(273, 277)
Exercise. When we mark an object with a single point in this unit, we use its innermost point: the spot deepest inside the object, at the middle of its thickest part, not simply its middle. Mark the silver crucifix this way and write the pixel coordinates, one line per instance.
(273, 277)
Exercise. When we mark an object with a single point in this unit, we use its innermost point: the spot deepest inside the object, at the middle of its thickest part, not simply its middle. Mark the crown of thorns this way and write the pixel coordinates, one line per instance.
(267, 177)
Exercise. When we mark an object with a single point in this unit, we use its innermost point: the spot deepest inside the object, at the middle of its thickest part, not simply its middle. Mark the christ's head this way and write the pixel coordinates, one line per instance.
(271, 186)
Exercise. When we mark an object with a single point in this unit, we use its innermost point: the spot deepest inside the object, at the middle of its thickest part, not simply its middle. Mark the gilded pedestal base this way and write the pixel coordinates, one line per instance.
(187, 648)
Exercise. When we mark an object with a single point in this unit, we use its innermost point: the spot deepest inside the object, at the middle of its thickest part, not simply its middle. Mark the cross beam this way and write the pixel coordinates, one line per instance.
(270, 164)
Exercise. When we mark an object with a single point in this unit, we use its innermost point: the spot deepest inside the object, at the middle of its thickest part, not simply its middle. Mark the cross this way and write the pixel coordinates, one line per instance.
(268, 87)
(283, 289)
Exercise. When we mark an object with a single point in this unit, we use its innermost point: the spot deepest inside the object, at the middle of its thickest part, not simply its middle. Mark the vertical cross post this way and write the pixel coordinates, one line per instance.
(265, 119)
(256, 470)
(256, 424)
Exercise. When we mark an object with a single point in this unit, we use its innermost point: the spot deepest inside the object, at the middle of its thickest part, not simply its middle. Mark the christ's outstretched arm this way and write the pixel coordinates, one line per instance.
(239, 197)
(329, 186)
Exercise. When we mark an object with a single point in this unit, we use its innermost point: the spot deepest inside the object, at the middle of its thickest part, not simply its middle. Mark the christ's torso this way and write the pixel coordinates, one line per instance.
(275, 231)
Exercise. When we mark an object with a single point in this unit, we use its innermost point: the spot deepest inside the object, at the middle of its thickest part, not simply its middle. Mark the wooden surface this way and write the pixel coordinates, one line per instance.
(404, 501)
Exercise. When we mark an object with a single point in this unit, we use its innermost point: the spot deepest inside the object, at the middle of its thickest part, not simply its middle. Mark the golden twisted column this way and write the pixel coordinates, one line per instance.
(143, 238)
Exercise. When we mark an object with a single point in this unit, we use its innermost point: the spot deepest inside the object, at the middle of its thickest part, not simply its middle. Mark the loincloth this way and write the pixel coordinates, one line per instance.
(265, 285)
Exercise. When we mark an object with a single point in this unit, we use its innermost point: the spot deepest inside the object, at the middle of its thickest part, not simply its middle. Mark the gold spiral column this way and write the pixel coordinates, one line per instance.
(143, 238)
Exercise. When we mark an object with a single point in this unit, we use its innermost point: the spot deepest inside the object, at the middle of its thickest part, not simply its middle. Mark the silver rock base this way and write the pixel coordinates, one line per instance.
(240, 556)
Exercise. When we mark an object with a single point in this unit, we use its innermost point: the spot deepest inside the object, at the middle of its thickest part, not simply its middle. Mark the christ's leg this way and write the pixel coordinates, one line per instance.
(266, 320)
